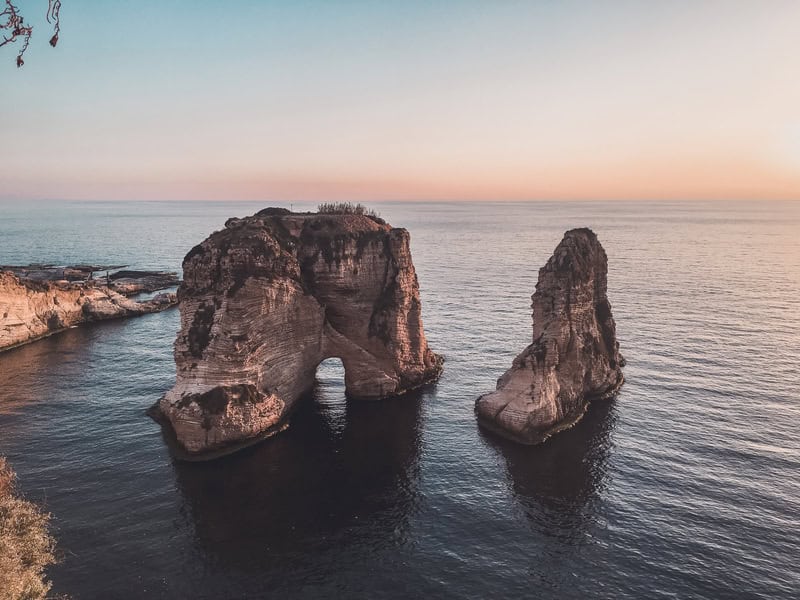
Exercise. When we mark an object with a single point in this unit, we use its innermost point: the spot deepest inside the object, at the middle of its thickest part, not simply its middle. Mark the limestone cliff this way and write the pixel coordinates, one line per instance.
(265, 300)
(574, 357)
(30, 310)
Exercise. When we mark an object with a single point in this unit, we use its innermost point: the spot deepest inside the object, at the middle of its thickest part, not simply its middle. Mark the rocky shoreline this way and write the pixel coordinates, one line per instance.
(37, 301)
(116, 277)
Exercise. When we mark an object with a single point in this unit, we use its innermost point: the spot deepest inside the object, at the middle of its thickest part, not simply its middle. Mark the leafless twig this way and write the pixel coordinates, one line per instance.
(53, 8)
(13, 27)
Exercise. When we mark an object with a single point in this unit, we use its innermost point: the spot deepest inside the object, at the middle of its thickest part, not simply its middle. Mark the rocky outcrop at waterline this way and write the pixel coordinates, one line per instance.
(574, 357)
(115, 277)
(34, 308)
(268, 298)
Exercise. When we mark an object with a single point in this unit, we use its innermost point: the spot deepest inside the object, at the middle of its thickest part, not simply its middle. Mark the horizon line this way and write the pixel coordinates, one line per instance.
(412, 200)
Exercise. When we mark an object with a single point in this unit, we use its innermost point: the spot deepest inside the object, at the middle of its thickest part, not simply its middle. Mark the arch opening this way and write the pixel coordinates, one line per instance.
(329, 393)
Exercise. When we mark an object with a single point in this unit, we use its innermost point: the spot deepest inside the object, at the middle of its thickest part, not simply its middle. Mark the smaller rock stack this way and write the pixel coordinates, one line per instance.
(574, 357)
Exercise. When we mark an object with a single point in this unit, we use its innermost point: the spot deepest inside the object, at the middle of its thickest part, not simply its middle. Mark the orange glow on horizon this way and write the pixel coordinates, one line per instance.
(488, 102)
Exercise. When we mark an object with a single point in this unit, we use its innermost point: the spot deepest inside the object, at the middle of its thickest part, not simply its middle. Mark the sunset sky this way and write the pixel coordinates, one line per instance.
(408, 100)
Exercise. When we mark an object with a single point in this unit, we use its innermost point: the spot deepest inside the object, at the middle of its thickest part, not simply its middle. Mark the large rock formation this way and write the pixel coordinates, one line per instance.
(31, 309)
(268, 298)
(574, 357)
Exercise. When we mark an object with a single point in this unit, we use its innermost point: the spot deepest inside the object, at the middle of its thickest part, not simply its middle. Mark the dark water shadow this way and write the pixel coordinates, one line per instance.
(559, 483)
(342, 478)
(558, 486)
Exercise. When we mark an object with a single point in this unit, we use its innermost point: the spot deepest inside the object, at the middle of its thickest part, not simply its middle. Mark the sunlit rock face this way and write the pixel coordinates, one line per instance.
(574, 357)
(30, 310)
(268, 298)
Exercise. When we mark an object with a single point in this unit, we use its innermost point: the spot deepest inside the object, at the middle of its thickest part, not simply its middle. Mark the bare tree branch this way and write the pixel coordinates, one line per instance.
(13, 27)
(11, 21)
(53, 8)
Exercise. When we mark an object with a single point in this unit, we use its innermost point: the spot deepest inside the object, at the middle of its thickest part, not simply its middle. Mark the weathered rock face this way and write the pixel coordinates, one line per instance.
(30, 310)
(574, 357)
(264, 301)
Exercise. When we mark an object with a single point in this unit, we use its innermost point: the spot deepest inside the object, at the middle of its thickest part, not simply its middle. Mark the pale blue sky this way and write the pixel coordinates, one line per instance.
(370, 100)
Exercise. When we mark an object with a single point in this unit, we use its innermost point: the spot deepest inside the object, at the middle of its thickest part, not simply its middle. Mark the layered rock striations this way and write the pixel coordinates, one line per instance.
(31, 309)
(574, 357)
(268, 298)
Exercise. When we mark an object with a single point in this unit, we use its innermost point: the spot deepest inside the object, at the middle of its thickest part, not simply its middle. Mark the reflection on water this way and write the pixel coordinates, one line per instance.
(342, 470)
(685, 487)
(558, 486)
(28, 372)
(565, 475)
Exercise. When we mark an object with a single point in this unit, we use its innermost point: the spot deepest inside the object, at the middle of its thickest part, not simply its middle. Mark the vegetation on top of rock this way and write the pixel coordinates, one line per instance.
(346, 208)
(26, 546)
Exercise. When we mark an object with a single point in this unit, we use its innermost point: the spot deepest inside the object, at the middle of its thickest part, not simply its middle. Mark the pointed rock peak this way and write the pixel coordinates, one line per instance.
(574, 356)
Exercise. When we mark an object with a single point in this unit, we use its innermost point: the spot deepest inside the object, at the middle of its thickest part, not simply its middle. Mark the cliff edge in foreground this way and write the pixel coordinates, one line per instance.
(574, 357)
(26, 546)
(268, 298)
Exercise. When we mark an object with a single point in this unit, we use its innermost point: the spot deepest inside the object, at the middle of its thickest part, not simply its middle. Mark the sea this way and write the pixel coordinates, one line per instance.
(686, 485)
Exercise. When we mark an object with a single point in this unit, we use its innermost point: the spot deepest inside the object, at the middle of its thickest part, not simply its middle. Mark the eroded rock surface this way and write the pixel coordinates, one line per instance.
(574, 357)
(32, 309)
(268, 298)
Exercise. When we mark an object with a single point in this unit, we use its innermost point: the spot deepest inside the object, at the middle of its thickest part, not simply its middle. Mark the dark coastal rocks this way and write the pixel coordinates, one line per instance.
(574, 357)
(34, 308)
(267, 299)
(71, 273)
(129, 283)
(125, 282)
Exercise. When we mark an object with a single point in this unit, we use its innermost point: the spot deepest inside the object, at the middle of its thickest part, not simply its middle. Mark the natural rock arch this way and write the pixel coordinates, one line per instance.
(271, 296)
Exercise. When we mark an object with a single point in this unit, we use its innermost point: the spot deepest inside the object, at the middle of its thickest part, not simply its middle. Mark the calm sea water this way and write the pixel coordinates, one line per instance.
(685, 486)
